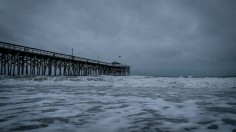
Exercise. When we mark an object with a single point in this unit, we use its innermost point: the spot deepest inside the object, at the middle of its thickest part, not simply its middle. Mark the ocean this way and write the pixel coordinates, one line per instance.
(117, 104)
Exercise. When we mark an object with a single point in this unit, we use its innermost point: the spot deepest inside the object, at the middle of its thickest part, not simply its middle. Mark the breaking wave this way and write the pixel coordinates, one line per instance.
(116, 81)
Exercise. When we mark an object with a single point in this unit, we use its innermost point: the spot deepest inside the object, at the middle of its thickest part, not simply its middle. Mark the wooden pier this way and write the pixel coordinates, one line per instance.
(21, 60)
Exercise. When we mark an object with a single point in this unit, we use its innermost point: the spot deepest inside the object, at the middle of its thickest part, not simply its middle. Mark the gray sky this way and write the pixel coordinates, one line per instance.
(154, 37)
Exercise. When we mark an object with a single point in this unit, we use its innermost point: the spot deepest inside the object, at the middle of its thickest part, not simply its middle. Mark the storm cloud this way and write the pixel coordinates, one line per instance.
(154, 37)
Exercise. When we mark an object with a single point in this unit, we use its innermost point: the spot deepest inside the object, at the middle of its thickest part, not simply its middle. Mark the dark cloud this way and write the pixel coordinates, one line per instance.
(154, 37)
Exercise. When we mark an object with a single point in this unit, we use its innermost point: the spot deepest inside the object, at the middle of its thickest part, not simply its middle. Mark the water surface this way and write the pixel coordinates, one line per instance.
(117, 104)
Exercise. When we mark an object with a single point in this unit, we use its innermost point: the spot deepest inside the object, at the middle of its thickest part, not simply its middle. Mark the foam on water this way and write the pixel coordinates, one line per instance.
(108, 103)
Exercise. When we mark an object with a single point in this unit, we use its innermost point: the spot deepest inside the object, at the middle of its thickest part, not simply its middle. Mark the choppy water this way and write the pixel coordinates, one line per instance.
(110, 104)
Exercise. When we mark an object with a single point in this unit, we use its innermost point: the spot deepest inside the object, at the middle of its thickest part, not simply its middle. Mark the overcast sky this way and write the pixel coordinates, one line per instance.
(154, 37)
